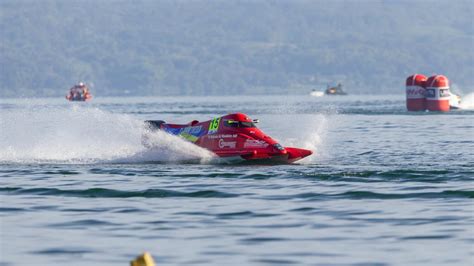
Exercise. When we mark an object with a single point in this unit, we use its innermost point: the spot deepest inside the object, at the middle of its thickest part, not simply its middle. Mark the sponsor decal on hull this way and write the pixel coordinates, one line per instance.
(223, 136)
(191, 133)
(192, 130)
(253, 143)
(226, 144)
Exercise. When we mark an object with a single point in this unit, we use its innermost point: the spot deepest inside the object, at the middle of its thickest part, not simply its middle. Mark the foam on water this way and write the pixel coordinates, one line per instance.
(168, 148)
(467, 102)
(84, 135)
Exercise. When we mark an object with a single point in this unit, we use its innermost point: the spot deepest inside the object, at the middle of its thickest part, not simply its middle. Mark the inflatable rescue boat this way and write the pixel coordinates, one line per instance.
(79, 92)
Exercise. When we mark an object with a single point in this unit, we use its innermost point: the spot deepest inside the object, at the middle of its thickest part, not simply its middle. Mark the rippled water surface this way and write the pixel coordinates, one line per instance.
(384, 187)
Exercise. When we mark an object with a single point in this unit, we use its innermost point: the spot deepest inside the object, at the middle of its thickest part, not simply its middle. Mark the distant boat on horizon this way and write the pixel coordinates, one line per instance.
(335, 90)
(330, 90)
(79, 93)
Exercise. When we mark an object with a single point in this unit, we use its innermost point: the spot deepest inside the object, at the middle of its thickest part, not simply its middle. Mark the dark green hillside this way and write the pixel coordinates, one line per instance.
(230, 47)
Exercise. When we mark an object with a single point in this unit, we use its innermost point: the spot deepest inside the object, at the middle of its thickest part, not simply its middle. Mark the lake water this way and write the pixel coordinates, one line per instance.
(384, 186)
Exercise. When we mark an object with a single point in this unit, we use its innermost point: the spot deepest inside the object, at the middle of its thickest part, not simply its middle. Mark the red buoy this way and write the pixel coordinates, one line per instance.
(415, 91)
(437, 93)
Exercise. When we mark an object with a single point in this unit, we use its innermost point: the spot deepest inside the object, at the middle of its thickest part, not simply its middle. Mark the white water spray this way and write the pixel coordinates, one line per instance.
(302, 131)
(467, 102)
(85, 135)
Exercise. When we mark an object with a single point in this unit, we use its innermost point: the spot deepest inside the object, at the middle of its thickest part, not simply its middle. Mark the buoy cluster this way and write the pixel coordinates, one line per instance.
(430, 94)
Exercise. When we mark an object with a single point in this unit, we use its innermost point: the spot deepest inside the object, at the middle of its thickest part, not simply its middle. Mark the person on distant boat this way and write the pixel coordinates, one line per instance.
(82, 86)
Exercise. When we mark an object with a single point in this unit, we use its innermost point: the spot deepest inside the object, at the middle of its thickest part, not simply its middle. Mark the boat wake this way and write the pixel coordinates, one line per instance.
(81, 135)
(164, 147)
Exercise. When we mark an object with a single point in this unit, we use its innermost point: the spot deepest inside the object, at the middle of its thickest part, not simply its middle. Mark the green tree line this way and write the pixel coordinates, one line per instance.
(230, 47)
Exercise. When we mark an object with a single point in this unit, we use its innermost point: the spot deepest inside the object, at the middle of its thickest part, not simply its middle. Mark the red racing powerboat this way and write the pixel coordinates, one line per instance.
(233, 136)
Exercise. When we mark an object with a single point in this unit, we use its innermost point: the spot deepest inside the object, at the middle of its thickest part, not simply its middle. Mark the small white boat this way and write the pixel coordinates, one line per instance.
(316, 93)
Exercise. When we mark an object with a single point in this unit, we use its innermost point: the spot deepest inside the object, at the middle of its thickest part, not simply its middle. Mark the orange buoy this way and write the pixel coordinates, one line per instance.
(437, 93)
(415, 91)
